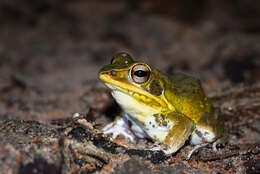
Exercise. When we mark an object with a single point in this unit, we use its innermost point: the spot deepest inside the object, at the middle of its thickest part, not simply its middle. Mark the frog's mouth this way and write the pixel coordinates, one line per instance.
(134, 105)
(132, 90)
(130, 93)
(111, 86)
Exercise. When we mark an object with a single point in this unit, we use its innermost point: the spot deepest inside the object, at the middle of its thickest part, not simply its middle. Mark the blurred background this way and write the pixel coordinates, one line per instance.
(51, 50)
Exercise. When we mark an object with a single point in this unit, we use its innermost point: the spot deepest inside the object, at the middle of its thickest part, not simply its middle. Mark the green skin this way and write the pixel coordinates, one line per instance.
(176, 100)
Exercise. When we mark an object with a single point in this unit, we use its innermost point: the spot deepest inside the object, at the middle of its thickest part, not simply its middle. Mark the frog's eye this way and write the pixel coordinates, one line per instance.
(122, 59)
(140, 73)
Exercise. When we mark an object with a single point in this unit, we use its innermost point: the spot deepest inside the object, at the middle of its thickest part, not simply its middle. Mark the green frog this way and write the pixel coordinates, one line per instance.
(166, 109)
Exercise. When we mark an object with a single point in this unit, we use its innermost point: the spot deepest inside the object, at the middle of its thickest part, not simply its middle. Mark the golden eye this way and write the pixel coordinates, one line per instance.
(140, 73)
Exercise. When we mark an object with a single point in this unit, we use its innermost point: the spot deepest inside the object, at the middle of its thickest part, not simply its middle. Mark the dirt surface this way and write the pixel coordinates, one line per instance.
(50, 54)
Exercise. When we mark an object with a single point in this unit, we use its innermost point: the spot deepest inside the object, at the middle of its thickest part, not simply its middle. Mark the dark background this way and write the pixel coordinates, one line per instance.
(56, 47)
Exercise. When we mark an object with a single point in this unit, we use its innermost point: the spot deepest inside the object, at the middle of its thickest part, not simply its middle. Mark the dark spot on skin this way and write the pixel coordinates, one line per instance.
(165, 123)
(156, 115)
(157, 118)
(161, 119)
(206, 133)
(153, 126)
(199, 133)
(113, 73)
(155, 88)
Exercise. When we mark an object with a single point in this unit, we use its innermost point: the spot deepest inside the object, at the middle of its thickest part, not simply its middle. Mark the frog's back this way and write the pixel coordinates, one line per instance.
(188, 97)
(185, 82)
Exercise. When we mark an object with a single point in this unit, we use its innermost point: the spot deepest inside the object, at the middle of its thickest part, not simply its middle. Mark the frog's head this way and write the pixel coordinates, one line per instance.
(135, 81)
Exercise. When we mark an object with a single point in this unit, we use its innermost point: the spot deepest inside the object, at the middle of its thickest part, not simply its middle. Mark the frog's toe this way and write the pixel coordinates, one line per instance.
(194, 149)
(214, 146)
(119, 127)
(221, 141)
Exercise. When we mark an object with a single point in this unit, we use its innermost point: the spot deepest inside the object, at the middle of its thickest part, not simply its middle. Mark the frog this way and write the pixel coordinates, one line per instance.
(167, 109)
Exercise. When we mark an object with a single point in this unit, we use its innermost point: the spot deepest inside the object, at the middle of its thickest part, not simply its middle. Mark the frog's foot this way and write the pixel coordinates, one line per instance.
(214, 145)
(179, 133)
(119, 127)
(194, 149)
(221, 141)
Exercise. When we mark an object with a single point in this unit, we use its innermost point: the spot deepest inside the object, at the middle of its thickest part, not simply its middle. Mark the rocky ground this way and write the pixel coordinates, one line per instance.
(50, 54)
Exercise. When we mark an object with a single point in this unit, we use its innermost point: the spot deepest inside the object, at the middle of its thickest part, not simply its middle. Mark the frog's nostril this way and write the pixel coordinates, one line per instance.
(112, 73)
(101, 73)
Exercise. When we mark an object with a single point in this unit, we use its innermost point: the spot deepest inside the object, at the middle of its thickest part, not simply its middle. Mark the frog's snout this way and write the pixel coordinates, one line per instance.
(107, 75)
(103, 72)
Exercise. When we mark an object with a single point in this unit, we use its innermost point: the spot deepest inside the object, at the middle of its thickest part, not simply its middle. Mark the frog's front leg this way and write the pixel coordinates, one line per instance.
(117, 127)
(181, 130)
(121, 126)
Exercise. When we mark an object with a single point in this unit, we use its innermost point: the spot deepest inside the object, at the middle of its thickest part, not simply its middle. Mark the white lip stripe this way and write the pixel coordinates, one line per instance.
(131, 106)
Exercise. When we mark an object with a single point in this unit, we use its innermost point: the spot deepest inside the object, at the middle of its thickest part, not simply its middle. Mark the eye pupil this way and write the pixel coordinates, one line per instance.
(140, 73)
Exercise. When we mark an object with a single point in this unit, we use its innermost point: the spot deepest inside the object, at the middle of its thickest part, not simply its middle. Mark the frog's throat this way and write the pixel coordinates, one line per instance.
(131, 89)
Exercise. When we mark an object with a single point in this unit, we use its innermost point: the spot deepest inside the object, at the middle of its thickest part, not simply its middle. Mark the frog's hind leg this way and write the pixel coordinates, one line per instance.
(206, 132)
(195, 138)
(181, 130)
(200, 138)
